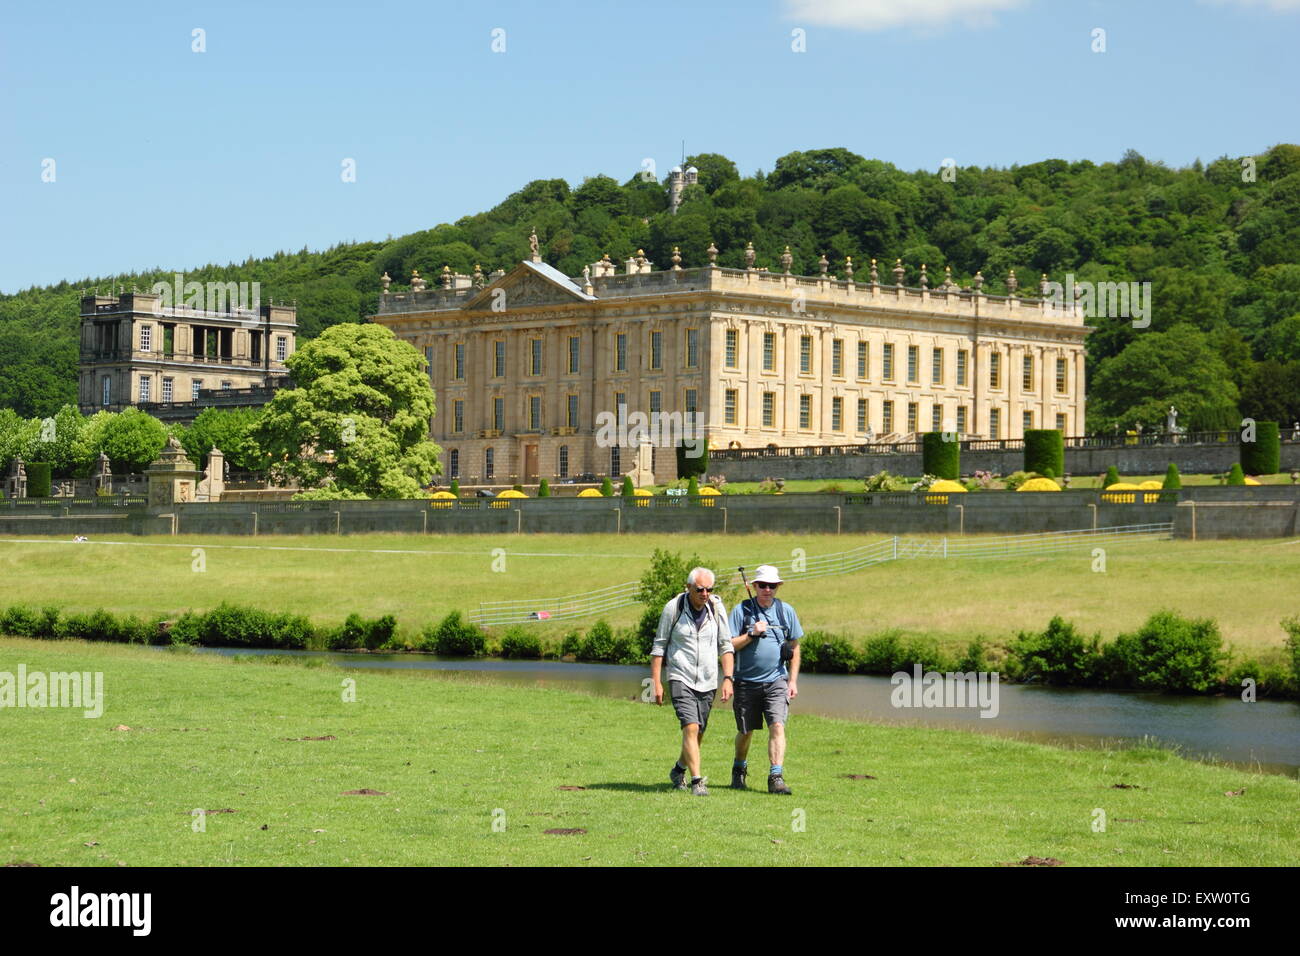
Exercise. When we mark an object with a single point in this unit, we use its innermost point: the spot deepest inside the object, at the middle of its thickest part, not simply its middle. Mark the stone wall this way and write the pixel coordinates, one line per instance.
(1128, 459)
(1266, 511)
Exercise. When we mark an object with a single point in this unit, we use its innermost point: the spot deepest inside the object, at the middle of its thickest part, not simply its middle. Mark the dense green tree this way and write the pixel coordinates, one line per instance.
(358, 420)
(229, 430)
(1160, 369)
(131, 439)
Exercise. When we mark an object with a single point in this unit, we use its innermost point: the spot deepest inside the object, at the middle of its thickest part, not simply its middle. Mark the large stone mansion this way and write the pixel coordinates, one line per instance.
(523, 362)
(173, 361)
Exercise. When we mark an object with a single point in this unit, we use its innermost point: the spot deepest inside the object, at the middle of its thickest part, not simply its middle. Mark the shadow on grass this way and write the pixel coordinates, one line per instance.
(632, 787)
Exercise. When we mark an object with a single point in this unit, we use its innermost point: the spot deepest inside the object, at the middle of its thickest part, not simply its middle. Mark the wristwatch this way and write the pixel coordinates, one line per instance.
(728, 677)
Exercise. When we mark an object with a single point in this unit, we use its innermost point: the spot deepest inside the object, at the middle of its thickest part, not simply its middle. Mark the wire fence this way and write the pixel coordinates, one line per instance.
(799, 568)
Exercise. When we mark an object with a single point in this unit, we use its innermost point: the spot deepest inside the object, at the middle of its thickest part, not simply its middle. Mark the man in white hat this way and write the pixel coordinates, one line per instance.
(766, 643)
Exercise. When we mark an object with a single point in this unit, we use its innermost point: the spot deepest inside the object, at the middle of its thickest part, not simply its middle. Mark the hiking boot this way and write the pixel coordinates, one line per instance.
(677, 777)
(698, 789)
(738, 775)
(776, 784)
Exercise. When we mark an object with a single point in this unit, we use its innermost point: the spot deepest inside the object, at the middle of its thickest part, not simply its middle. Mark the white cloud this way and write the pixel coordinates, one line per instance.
(887, 14)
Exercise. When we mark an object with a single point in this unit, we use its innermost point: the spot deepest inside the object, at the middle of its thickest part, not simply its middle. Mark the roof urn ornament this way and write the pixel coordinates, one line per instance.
(786, 260)
(712, 253)
(899, 272)
(749, 255)
(1012, 283)
(384, 282)
(823, 264)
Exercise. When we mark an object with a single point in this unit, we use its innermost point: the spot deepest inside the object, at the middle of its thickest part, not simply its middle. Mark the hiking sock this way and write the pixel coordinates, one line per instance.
(740, 764)
(695, 780)
(678, 765)
(776, 768)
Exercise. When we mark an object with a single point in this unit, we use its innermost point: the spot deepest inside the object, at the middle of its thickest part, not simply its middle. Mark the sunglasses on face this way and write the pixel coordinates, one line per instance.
(766, 587)
(702, 590)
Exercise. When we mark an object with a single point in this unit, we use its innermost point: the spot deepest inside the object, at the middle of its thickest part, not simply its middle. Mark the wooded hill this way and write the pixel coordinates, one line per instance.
(1220, 244)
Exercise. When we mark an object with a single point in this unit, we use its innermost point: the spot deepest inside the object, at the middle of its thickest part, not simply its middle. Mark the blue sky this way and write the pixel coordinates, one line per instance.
(168, 157)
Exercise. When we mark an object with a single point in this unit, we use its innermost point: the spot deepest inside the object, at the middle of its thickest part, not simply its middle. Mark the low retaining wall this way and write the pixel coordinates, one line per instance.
(1264, 511)
(1128, 459)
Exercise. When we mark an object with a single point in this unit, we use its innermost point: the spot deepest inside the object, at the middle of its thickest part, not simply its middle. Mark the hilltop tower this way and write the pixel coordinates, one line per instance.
(680, 179)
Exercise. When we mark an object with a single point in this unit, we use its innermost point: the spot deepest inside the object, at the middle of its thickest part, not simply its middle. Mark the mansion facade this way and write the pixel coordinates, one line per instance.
(526, 364)
(174, 361)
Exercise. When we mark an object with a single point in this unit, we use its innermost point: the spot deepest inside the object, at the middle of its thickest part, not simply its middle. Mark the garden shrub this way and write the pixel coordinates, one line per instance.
(571, 644)
(939, 457)
(1112, 476)
(1263, 455)
(39, 482)
(1044, 448)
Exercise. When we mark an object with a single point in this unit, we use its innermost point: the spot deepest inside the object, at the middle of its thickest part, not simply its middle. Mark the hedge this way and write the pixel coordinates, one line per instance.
(1263, 456)
(1045, 451)
(939, 457)
(38, 479)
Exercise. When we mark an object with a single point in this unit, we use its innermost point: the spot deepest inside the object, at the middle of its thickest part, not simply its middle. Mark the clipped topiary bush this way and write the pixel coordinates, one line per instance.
(607, 487)
(39, 479)
(1112, 476)
(1044, 449)
(1263, 456)
(1235, 475)
(1172, 482)
(939, 457)
(544, 489)
(455, 487)
(628, 489)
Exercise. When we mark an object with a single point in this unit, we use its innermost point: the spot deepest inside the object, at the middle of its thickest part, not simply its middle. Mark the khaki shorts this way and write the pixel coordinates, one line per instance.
(755, 700)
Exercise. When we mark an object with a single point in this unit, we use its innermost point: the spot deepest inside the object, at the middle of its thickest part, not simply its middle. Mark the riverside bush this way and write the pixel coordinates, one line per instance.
(1171, 653)
(880, 654)
(454, 637)
(518, 641)
(1057, 655)
(599, 643)
(571, 644)
(831, 654)
(358, 631)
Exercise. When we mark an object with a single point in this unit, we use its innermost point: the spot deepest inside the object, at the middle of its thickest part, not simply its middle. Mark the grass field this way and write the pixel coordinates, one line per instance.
(1242, 584)
(449, 757)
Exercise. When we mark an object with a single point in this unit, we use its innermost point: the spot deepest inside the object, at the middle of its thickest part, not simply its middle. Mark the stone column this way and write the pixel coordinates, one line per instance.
(171, 478)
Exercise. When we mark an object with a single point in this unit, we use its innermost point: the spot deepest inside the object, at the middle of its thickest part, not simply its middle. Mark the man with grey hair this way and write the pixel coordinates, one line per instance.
(693, 634)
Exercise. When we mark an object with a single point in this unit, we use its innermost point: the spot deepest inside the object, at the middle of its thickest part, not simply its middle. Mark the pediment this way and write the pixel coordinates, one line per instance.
(529, 285)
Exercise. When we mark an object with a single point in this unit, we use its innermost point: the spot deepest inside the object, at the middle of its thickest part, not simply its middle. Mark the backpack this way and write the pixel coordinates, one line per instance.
(677, 613)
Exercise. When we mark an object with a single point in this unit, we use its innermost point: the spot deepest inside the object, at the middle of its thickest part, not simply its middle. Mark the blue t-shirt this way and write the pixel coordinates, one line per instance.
(760, 660)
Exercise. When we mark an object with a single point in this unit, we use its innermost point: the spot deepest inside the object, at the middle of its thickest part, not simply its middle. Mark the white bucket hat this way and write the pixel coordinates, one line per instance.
(767, 574)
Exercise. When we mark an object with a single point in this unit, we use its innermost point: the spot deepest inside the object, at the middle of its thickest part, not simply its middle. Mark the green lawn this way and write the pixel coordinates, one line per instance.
(450, 756)
(421, 578)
